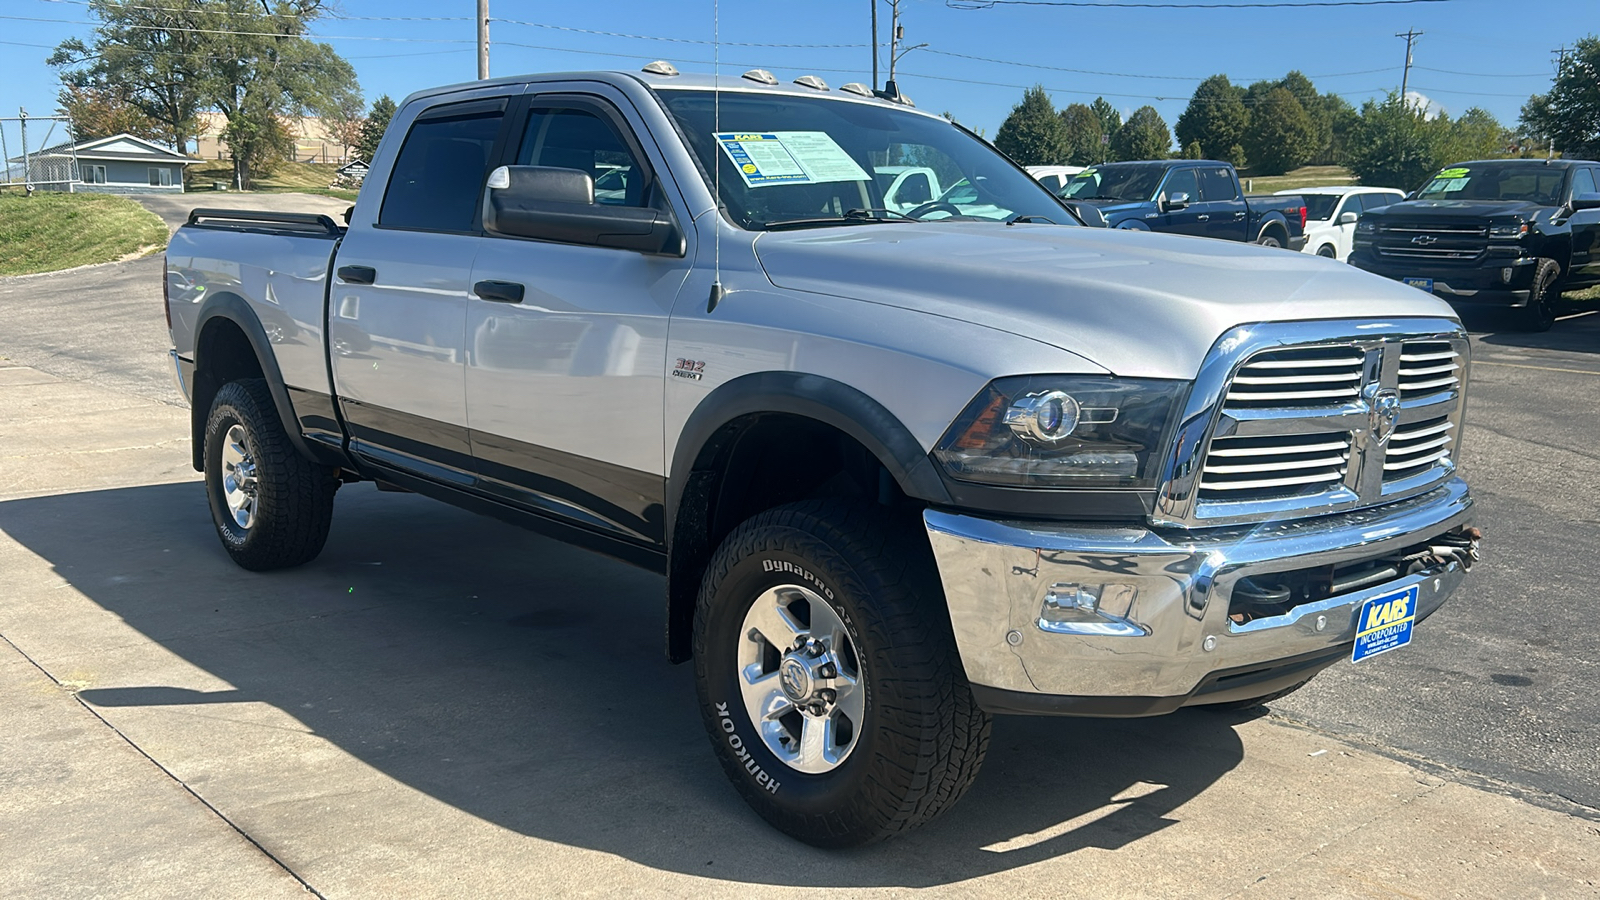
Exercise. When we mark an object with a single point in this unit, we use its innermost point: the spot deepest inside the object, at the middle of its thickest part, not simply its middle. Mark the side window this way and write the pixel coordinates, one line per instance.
(439, 174)
(915, 189)
(1182, 181)
(1216, 184)
(575, 138)
(1582, 182)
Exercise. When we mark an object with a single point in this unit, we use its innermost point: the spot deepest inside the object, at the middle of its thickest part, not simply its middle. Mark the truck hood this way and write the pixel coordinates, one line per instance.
(1137, 303)
(1423, 209)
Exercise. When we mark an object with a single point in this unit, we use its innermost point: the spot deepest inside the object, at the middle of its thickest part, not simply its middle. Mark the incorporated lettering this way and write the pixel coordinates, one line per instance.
(778, 565)
(737, 745)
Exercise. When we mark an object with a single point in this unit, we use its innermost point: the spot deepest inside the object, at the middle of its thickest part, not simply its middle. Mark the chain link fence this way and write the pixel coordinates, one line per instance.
(37, 152)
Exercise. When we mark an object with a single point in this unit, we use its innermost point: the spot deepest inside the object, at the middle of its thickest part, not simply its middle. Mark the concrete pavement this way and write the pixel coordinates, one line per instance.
(443, 705)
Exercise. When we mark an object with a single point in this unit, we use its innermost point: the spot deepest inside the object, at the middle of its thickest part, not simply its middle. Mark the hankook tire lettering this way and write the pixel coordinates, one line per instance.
(750, 765)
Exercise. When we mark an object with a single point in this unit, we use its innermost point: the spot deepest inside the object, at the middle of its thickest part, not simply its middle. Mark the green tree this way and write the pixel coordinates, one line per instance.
(1312, 102)
(1110, 121)
(97, 111)
(1568, 115)
(1033, 135)
(378, 117)
(1144, 136)
(1281, 136)
(1193, 150)
(1394, 145)
(149, 56)
(1215, 117)
(1083, 135)
(1343, 120)
(1477, 134)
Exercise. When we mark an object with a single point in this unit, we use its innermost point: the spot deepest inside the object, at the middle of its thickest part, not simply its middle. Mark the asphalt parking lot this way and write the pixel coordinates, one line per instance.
(442, 705)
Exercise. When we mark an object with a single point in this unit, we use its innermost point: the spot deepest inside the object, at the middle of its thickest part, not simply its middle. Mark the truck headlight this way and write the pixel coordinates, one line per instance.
(1509, 232)
(1063, 431)
(1366, 227)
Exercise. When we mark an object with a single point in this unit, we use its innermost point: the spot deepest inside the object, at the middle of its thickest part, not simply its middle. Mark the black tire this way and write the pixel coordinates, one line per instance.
(292, 498)
(1269, 238)
(1253, 702)
(922, 738)
(1540, 313)
(1326, 251)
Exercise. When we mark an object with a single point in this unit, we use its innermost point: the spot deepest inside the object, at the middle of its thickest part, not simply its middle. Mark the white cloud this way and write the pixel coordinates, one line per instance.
(1430, 109)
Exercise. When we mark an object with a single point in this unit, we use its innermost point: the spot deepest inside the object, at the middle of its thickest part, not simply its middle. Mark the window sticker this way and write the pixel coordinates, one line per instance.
(1453, 173)
(1447, 185)
(788, 157)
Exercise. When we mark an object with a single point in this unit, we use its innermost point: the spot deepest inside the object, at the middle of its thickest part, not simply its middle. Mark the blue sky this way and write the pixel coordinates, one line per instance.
(1488, 53)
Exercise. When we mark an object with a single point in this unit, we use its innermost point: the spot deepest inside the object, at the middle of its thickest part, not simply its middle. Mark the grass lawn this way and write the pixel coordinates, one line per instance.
(1303, 177)
(296, 177)
(51, 231)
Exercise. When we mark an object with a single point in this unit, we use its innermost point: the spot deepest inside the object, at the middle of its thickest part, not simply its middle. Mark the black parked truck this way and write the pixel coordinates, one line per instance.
(1507, 233)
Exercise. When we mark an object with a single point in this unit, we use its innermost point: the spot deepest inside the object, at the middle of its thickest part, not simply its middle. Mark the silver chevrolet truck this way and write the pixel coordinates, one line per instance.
(901, 469)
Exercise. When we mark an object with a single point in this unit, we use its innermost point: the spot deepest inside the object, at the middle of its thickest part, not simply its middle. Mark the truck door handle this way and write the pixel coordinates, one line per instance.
(499, 291)
(1238, 215)
(358, 274)
(1203, 217)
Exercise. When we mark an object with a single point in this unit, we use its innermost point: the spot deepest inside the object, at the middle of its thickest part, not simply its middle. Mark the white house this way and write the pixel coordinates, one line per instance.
(120, 164)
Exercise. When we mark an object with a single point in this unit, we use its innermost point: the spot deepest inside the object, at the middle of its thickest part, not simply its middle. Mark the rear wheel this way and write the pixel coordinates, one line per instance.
(1269, 239)
(1540, 313)
(271, 506)
(1327, 251)
(828, 676)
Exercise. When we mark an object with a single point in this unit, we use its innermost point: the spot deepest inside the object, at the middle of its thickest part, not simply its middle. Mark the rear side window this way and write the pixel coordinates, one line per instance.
(440, 172)
(1582, 182)
(1217, 184)
(1376, 201)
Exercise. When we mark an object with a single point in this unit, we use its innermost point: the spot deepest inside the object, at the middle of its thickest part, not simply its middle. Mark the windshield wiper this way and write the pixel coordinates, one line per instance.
(851, 217)
(868, 213)
(1029, 218)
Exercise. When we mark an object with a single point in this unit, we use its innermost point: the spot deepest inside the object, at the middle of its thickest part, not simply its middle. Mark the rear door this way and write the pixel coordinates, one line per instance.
(565, 389)
(1228, 218)
(398, 301)
(1585, 230)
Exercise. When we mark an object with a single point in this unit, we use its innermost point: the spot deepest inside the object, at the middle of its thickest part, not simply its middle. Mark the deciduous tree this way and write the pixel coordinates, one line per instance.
(378, 117)
(1083, 135)
(1568, 115)
(1033, 135)
(97, 112)
(1144, 136)
(1281, 136)
(1215, 117)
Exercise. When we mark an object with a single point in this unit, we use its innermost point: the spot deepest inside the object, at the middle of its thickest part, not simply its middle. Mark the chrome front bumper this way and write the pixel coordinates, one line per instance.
(1160, 635)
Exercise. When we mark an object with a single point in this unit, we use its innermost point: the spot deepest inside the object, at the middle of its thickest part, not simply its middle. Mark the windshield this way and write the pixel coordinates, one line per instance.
(1134, 183)
(789, 161)
(1319, 207)
(1535, 183)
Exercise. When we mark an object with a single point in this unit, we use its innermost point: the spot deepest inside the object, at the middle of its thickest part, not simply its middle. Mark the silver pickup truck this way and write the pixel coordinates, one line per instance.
(902, 470)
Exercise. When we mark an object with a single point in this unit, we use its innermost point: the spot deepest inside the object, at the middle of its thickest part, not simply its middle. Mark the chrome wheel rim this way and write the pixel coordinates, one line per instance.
(800, 676)
(238, 478)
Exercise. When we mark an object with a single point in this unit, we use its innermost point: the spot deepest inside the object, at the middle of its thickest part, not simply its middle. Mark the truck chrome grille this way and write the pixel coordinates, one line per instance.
(1440, 242)
(1311, 376)
(1240, 468)
(1309, 418)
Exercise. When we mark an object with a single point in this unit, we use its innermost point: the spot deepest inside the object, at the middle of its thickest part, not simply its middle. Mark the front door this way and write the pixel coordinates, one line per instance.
(565, 387)
(398, 302)
(1585, 231)
(1189, 220)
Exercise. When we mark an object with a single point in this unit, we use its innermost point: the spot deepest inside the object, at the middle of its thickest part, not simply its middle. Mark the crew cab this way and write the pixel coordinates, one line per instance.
(1499, 233)
(1185, 196)
(901, 471)
(1332, 212)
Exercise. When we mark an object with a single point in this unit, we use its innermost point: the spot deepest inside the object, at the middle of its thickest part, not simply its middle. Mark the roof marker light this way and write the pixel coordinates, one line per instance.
(811, 81)
(660, 67)
(761, 76)
(856, 87)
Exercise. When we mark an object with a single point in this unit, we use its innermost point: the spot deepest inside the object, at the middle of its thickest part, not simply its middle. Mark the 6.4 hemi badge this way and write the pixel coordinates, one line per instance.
(692, 369)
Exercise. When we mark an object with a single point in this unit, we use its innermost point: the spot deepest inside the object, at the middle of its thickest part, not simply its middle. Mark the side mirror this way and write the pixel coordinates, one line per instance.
(1088, 212)
(1584, 201)
(1176, 201)
(1348, 218)
(554, 204)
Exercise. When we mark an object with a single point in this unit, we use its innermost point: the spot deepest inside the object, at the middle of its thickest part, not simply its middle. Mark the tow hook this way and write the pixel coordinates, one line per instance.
(1459, 546)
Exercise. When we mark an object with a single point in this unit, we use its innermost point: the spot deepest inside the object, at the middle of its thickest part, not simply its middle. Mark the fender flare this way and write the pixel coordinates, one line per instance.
(1270, 220)
(824, 400)
(1131, 225)
(236, 310)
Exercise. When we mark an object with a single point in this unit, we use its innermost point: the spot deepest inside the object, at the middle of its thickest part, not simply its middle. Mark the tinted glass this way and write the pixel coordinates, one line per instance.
(1377, 201)
(1118, 181)
(1217, 184)
(815, 162)
(1320, 207)
(1182, 181)
(581, 139)
(1535, 183)
(1582, 182)
(439, 174)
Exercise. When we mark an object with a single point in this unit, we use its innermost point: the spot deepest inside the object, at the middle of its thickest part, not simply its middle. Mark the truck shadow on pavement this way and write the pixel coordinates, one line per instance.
(1577, 331)
(524, 683)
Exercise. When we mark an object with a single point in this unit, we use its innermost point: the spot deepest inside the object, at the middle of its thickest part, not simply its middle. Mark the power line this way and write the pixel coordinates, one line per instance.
(276, 34)
(674, 40)
(1483, 74)
(1007, 62)
(1093, 4)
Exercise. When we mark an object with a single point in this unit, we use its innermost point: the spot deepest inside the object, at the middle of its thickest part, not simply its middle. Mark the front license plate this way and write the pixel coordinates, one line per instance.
(1385, 623)
(1423, 283)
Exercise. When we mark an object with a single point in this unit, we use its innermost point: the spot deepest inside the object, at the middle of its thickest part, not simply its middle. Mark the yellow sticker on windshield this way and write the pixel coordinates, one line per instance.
(1453, 173)
(1088, 171)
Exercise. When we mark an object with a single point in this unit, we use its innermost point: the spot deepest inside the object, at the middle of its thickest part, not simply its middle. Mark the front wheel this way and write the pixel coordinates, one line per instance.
(828, 676)
(1326, 250)
(1540, 313)
(271, 506)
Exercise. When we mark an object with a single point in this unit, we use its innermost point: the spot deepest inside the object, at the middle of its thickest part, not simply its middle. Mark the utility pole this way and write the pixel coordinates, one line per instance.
(483, 39)
(27, 168)
(1410, 34)
(1561, 59)
(874, 44)
(897, 33)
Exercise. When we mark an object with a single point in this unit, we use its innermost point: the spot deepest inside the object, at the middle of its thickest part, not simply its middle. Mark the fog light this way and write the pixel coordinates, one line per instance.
(1505, 274)
(1100, 609)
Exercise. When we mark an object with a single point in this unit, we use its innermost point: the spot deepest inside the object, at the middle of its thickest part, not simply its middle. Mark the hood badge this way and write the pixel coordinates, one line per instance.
(1424, 239)
(1383, 411)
